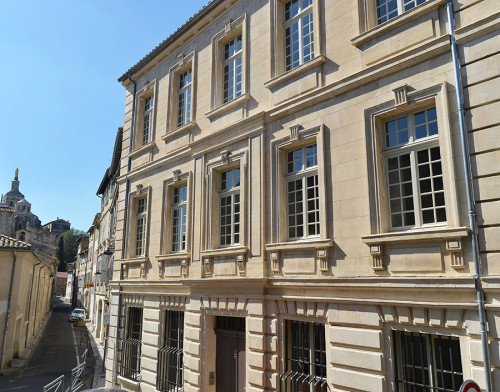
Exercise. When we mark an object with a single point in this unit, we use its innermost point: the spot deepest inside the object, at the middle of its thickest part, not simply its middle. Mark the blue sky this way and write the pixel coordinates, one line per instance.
(61, 104)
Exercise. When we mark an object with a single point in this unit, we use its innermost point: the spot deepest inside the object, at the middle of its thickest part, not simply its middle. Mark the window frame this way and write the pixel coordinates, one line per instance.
(184, 63)
(180, 206)
(227, 62)
(142, 96)
(279, 221)
(277, 55)
(430, 364)
(212, 211)
(400, 9)
(134, 197)
(412, 148)
(178, 180)
(303, 175)
(375, 117)
(231, 30)
(124, 371)
(289, 357)
(230, 193)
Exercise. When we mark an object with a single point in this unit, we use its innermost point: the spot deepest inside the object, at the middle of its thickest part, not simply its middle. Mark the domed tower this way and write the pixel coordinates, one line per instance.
(13, 196)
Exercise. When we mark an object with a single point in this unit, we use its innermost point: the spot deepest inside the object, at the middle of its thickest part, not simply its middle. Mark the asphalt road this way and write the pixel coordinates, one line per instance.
(55, 355)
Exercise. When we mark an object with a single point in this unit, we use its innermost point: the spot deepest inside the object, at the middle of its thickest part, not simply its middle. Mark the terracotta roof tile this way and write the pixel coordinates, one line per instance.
(12, 243)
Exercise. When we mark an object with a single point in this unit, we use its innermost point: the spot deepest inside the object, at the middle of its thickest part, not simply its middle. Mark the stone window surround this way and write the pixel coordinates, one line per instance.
(369, 29)
(140, 192)
(185, 62)
(149, 89)
(277, 55)
(232, 28)
(279, 148)
(178, 179)
(381, 233)
(228, 161)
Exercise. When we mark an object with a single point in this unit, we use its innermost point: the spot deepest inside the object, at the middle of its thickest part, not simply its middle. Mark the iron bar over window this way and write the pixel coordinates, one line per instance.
(169, 369)
(305, 358)
(130, 363)
(427, 362)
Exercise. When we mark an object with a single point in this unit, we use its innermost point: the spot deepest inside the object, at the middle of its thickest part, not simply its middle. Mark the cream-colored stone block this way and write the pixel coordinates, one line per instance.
(272, 362)
(193, 334)
(436, 317)
(354, 315)
(357, 358)
(151, 327)
(192, 363)
(193, 319)
(485, 164)
(388, 314)
(255, 307)
(350, 379)
(298, 263)
(271, 326)
(148, 364)
(489, 239)
(193, 378)
(301, 308)
(481, 70)
(320, 309)
(453, 318)
(419, 316)
(231, 303)
(478, 376)
(487, 188)
(256, 325)
(272, 380)
(471, 322)
(151, 339)
(483, 116)
(272, 343)
(488, 213)
(356, 337)
(148, 377)
(256, 342)
(415, 259)
(403, 314)
(256, 377)
(256, 360)
(242, 305)
(192, 348)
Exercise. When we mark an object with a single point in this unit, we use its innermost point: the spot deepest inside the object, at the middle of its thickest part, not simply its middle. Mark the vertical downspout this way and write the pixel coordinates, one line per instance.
(127, 190)
(470, 199)
(6, 328)
(29, 305)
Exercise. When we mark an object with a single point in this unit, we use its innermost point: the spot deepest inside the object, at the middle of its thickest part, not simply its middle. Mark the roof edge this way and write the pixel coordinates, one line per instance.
(163, 45)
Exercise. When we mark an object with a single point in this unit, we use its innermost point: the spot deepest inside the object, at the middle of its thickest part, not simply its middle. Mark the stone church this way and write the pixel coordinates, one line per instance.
(18, 221)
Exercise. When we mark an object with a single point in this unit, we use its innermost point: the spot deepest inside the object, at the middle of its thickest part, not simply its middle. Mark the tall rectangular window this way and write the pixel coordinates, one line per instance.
(427, 362)
(229, 197)
(305, 358)
(179, 206)
(388, 9)
(147, 119)
(303, 192)
(170, 357)
(184, 98)
(130, 363)
(232, 69)
(414, 170)
(299, 35)
(140, 226)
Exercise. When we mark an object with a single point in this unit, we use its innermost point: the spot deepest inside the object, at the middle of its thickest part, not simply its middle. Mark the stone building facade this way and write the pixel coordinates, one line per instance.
(292, 204)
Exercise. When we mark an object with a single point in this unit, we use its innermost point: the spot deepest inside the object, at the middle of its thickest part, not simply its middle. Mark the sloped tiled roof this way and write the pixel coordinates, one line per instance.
(191, 21)
(11, 243)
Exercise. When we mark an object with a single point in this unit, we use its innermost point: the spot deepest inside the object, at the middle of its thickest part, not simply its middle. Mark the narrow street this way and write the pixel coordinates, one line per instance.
(55, 355)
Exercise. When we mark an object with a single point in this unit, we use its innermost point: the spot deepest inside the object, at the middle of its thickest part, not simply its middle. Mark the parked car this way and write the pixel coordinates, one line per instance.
(77, 314)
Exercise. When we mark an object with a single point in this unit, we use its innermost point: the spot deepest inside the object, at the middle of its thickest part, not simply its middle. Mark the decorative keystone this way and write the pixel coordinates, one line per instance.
(176, 175)
(227, 25)
(294, 132)
(224, 154)
(185, 268)
(401, 95)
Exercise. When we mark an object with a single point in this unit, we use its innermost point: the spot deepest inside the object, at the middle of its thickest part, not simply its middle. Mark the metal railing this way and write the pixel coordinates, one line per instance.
(169, 369)
(55, 386)
(77, 375)
(130, 361)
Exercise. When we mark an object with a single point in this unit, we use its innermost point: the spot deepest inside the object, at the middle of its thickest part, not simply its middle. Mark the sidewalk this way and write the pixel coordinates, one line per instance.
(98, 352)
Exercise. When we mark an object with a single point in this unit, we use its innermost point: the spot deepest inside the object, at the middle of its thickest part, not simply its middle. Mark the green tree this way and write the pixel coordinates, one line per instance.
(60, 255)
(68, 247)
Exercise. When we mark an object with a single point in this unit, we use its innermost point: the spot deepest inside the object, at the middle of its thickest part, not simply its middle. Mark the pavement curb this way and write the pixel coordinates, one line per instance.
(30, 349)
(97, 357)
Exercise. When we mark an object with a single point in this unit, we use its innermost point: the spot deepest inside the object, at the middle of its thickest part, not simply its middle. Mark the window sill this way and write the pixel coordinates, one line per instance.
(173, 257)
(312, 244)
(229, 251)
(141, 149)
(178, 131)
(434, 234)
(134, 385)
(295, 72)
(135, 260)
(227, 106)
(399, 20)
